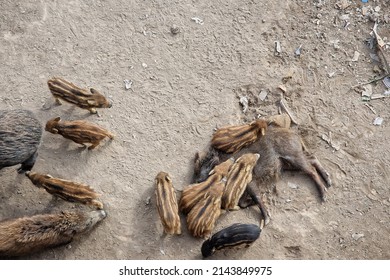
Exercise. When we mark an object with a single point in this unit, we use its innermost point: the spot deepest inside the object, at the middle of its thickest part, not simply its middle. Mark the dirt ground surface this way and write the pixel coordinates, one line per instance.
(186, 83)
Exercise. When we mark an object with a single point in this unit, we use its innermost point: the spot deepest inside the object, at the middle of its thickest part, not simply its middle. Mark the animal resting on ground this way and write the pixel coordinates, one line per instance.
(279, 149)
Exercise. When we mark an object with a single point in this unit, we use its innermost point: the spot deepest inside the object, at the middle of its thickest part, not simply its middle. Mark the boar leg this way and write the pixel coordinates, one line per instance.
(93, 146)
(245, 200)
(303, 164)
(258, 202)
(58, 101)
(321, 170)
(28, 164)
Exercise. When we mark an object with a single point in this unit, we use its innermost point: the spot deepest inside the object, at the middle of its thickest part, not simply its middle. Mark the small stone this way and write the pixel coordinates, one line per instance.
(175, 30)
(198, 20)
(386, 81)
(355, 56)
(365, 10)
(128, 84)
(376, 69)
(378, 121)
(292, 185)
(263, 95)
(244, 103)
(344, 17)
(357, 236)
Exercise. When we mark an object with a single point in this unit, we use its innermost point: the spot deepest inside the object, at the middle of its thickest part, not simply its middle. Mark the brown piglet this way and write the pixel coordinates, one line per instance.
(90, 100)
(27, 235)
(166, 202)
(67, 190)
(78, 131)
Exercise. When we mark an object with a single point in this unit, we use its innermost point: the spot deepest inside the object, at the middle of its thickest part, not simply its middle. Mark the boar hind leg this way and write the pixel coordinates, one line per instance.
(58, 101)
(303, 164)
(321, 170)
(28, 164)
(245, 200)
(259, 203)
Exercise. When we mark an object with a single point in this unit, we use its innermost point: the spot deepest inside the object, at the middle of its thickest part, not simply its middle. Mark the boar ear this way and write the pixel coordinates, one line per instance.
(168, 178)
(48, 176)
(93, 91)
(57, 119)
(90, 103)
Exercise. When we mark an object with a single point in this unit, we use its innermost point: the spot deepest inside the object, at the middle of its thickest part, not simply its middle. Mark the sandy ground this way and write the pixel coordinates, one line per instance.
(184, 86)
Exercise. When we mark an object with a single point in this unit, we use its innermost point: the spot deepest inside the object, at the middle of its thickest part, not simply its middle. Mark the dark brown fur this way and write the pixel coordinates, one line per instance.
(67, 190)
(64, 90)
(279, 148)
(28, 235)
(20, 136)
(78, 131)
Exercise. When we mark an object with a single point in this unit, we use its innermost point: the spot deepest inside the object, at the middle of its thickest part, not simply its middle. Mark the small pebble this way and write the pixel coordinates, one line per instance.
(175, 30)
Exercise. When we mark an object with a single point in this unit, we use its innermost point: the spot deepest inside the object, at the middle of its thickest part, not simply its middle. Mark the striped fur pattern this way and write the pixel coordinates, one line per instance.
(231, 139)
(236, 235)
(64, 90)
(239, 176)
(202, 217)
(67, 190)
(28, 235)
(78, 131)
(167, 206)
(193, 193)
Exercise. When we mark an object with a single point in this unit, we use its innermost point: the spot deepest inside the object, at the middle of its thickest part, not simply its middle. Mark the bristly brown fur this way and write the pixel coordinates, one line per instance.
(203, 216)
(67, 190)
(279, 149)
(239, 176)
(231, 139)
(64, 90)
(195, 192)
(28, 235)
(167, 203)
(78, 131)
